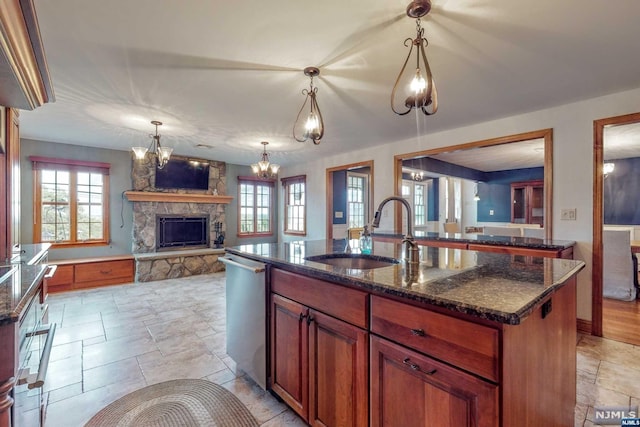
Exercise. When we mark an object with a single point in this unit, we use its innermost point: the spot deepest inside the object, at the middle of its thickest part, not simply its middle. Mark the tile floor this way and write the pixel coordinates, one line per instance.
(113, 340)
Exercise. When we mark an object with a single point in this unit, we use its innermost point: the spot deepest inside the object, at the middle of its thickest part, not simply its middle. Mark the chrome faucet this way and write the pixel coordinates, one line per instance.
(412, 252)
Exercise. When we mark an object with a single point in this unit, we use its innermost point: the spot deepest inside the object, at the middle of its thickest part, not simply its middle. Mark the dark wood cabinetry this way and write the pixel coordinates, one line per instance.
(345, 357)
(410, 389)
(319, 363)
(527, 202)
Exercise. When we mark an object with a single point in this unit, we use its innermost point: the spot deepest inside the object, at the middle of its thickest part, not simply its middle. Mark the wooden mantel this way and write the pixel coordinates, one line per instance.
(151, 196)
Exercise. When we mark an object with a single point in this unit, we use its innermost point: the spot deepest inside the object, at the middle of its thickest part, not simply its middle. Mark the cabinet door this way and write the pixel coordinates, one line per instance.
(338, 370)
(409, 389)
(289, 353)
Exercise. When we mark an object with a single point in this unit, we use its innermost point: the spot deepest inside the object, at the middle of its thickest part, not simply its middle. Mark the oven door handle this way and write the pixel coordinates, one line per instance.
(44, 360)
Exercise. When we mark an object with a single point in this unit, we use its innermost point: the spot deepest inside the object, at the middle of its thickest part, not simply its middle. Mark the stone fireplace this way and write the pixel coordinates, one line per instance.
(189, 214)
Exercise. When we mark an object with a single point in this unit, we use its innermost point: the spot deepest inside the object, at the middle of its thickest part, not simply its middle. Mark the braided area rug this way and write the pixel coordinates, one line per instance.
(183, 403)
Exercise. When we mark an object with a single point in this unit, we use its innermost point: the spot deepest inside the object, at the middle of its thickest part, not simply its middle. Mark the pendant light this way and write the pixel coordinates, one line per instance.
(421, 87)
(162, 154)
(265, 169)
(313, 126)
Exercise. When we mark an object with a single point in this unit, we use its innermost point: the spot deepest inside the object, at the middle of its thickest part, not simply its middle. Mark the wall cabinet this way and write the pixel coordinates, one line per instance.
(527, 202)
(319, 363)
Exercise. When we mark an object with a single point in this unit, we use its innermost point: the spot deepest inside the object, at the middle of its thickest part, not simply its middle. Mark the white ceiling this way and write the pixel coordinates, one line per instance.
(229, 74)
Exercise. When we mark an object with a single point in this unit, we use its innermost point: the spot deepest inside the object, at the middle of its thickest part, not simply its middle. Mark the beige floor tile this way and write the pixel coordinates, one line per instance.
(120, 349)
(180, 343)
(126, 370)
(76, 411)
(287, 419)
(623, 379)
(64, 372)
(62, 351)
(260, 403)
(78, 333)
(65, 392)
(187, 364)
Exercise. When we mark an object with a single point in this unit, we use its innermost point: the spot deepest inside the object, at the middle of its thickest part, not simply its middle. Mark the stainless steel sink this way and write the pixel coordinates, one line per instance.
(354, 261)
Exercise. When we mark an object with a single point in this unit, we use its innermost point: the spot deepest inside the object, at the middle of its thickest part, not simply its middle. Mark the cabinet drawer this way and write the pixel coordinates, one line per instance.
(62, 276)
(344, 303)
(464, 344)
(94, 271)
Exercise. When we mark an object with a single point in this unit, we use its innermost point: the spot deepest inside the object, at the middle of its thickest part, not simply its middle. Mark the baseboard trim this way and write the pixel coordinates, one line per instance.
(584, 326)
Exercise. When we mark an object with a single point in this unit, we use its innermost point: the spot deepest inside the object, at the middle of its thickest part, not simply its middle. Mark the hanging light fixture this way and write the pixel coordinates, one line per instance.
(161, 153)
(417, 176)
(313, 126)
(421, 88)
(476, 196)
(608, 168)
(264, 169)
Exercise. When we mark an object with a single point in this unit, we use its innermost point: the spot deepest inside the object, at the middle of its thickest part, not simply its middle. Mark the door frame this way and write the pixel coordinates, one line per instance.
(598, 214)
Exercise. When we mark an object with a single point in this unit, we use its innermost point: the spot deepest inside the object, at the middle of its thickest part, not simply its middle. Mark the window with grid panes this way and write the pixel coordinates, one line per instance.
(419, 205)
(356, 194)
(294, 205)
(255, 206)
(70, 201)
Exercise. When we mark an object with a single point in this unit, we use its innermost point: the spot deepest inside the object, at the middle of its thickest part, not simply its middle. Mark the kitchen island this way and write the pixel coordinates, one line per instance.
(470, 338)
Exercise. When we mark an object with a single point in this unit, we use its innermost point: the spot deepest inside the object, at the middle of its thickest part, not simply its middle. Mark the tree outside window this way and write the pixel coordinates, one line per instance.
(71, 201)
(255, 207)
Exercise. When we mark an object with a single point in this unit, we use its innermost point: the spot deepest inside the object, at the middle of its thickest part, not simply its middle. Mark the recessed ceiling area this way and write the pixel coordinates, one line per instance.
(230, 74)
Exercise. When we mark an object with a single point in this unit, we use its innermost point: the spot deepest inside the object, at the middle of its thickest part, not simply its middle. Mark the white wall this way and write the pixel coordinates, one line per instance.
(572, 173)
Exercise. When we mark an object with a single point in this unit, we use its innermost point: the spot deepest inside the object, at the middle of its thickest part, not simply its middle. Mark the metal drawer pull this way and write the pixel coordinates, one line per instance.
(415, 367)
(51, 271)
(44, 360)
(418, 332)
(105, 271)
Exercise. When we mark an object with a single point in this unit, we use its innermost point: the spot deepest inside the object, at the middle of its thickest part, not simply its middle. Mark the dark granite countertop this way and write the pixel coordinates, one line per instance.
(498, 287)
(18, 288)
(485, 239)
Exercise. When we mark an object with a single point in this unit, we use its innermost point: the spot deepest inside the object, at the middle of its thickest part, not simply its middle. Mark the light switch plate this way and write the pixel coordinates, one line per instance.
(338, 214)
(568, 214)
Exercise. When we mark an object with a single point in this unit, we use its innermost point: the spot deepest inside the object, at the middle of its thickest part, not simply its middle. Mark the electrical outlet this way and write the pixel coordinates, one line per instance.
(490, 211)
(568, 214)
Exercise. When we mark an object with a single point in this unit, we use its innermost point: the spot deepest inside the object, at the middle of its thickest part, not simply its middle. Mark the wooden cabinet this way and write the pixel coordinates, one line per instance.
(410, 389)
(319, 363)
(527, 202)
(424, 366)
(91, 272)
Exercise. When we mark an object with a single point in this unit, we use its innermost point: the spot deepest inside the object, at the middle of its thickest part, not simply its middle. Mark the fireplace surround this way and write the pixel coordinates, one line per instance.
(188, 252)
(175, 232)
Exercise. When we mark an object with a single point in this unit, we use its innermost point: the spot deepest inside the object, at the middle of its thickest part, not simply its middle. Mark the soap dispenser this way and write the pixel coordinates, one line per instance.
(365, 241)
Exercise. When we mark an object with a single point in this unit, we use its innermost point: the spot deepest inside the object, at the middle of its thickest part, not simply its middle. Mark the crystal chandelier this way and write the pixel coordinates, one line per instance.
(421, 88)
(313, 127)
(264, 169)
(162, 154)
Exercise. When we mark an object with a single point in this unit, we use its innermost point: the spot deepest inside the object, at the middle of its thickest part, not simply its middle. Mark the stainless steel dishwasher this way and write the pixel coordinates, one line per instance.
(246, 316)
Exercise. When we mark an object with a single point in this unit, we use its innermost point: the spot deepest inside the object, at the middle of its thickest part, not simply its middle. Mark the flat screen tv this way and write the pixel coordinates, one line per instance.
(183, 174)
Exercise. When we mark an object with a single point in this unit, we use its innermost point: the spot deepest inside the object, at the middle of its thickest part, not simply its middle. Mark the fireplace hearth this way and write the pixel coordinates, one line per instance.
(177, 232)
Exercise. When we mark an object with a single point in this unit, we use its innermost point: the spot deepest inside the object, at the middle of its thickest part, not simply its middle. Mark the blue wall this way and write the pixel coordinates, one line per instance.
(340, 196)
(621, 190)
(494, 188)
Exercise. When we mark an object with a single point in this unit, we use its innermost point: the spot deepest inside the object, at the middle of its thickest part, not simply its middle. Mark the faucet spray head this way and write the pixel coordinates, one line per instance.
(376, 220)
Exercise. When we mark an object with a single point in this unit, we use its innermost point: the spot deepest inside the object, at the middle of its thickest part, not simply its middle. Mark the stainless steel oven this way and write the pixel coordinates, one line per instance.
(35, 341)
